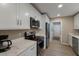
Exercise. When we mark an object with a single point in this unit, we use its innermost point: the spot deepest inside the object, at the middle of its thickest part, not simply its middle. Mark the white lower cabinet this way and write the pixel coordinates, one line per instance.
(75, 44)
(31, 51)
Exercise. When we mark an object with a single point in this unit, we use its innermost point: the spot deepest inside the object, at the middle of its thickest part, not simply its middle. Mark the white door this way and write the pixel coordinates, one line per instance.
(56, 29)
(8, 16)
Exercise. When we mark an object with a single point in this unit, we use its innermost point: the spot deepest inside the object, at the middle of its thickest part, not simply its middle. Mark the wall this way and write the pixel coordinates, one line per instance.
(67, 27)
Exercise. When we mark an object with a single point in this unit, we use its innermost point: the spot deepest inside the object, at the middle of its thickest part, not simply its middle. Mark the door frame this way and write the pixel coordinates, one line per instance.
(61, 29)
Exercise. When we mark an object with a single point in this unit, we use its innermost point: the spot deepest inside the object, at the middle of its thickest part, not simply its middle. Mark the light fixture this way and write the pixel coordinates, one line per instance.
(26, 14)
(60, 5)
(4, 4)
(58, 15)
(17, 17)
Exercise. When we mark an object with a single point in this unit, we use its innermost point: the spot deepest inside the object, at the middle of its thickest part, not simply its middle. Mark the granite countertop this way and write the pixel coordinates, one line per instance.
(74, 35)
(18, 46)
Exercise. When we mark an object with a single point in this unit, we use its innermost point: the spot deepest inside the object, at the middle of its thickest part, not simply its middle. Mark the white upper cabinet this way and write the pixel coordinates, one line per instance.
(17, 16)
(76, 21)
(23, 16)
(26, 11)
(8, 16)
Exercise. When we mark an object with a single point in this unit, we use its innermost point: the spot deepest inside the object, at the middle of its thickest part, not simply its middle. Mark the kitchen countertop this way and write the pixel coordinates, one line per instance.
(74, 35)
(18, 46)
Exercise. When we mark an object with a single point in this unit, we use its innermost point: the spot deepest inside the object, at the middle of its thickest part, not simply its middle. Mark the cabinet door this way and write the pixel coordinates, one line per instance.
(18, 16)
(8, 16)
(76, 21)
(78, 46)
(31, 51)
(75, 25)
(75, 44)
(24, 19)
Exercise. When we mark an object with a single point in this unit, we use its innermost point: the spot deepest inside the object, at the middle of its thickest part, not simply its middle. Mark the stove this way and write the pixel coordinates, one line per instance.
(39, 39)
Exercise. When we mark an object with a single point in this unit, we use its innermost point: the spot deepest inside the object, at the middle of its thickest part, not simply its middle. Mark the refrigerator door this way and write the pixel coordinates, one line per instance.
(47, 28)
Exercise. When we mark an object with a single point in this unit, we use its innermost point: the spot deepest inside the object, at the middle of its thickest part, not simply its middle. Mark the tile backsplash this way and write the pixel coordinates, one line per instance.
(76, 31)
(14, 34)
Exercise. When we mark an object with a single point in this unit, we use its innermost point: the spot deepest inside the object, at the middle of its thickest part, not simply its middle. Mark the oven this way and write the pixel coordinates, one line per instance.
(40, 46)
(39, 39)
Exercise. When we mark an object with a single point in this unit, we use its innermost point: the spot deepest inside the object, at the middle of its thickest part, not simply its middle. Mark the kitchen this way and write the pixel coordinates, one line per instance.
(21, 19)
(26, 28)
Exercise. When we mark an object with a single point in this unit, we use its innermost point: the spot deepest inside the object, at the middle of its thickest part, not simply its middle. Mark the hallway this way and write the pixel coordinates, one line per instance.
(57, 49)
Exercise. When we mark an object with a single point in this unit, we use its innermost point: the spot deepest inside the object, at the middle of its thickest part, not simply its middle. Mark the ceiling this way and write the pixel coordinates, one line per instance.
(52, 9)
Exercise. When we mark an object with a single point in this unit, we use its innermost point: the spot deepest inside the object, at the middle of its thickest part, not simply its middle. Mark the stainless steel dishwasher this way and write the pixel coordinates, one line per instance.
(75, 45)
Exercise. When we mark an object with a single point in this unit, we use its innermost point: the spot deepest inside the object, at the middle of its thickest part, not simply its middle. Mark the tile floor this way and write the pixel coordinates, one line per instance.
(57, 49)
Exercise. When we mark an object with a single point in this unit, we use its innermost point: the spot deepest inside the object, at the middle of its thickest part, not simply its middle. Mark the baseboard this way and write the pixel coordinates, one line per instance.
(65, 44)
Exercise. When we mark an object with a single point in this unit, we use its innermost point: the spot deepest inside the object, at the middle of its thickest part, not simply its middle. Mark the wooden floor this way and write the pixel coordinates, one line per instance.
(57, 49)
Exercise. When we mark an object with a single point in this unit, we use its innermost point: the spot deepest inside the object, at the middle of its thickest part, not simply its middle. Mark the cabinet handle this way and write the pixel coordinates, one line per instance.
(32, 48)
(20, 22)
(17, 22)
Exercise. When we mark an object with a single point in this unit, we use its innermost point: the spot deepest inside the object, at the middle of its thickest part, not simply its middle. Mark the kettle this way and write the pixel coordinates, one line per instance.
(4, 44)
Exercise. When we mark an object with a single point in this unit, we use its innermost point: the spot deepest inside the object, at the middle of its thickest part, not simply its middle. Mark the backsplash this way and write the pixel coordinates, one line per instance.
(14, 34)
(76, 32)
(40, 33)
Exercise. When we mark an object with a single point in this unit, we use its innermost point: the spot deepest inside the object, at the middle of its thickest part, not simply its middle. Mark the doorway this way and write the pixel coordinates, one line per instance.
(57, 31)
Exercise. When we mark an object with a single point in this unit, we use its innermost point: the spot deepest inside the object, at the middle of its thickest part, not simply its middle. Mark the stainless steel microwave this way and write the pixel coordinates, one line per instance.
(34, 24)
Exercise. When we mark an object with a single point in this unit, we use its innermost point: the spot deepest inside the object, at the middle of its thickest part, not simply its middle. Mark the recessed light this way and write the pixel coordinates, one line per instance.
(26, 14)
(60, 5)
(58, 15)
(4, 3)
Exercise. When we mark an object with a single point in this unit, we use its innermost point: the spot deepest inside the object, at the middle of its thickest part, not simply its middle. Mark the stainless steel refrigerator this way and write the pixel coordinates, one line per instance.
(47, 30)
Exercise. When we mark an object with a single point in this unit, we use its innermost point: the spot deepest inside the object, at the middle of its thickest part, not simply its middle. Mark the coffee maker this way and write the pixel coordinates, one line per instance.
(30, 35)
(4, 43)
